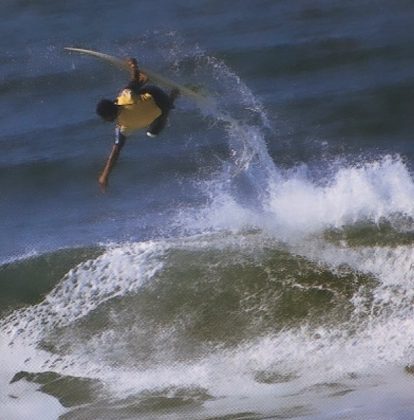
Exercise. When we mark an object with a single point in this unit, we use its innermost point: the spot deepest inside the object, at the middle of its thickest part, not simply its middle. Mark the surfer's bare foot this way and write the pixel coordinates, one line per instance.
(132, 63)
(136, 74)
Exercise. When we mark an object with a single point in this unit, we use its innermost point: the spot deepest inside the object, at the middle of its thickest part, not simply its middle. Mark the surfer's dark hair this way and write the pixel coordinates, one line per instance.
(107, 109)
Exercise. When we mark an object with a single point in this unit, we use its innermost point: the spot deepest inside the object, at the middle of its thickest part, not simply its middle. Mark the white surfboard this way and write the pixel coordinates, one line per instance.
(154, 77)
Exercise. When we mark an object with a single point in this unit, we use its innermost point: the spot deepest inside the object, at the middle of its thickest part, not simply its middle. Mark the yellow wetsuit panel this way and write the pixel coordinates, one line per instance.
(137, 111)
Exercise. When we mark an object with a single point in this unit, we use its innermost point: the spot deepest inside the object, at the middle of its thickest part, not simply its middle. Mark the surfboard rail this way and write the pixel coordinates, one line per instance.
(153, 76)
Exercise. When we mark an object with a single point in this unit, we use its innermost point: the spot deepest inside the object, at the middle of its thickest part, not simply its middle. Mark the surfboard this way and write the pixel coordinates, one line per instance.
(153, 76)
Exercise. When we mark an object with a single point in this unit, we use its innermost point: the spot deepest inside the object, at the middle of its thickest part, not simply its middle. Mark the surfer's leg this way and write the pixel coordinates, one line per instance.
(136, 75)
(165, 103)
(157, 125)
(138, 79)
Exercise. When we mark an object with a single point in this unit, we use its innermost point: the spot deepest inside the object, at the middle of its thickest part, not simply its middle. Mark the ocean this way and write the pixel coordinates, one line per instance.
(255, 260)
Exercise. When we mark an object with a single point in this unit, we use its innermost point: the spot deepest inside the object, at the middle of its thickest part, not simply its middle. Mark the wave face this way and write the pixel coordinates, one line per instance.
(213, 316)
(246, 275)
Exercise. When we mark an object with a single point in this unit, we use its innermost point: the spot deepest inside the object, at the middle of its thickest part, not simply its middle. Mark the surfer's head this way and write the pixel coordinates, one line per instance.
(107, 109)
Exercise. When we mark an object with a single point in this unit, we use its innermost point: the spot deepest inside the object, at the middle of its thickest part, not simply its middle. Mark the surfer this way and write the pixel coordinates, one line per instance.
(137, 106)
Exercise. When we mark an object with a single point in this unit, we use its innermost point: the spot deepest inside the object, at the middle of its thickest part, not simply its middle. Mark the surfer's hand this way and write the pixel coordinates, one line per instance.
(145, 97)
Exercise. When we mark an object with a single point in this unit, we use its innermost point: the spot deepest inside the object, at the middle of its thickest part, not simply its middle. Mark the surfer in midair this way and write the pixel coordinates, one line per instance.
(137, 106)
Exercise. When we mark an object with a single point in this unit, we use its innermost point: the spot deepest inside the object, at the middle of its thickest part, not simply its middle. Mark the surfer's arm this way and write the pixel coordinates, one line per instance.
(113, 157)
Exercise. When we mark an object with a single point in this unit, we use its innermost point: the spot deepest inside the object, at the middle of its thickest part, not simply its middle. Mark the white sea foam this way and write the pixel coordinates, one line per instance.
(367, 192)
(118, 271)
(21, 400)
(295, 205)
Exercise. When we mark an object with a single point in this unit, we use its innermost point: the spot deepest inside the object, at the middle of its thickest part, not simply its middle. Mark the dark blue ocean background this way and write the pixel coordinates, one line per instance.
(253, 261)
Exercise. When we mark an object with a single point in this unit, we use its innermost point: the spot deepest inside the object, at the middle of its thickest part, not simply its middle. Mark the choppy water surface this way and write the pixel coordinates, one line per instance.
(254, 261)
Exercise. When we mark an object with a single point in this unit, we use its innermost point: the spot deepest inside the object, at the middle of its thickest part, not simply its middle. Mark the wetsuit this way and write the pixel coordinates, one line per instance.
(141, 106)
